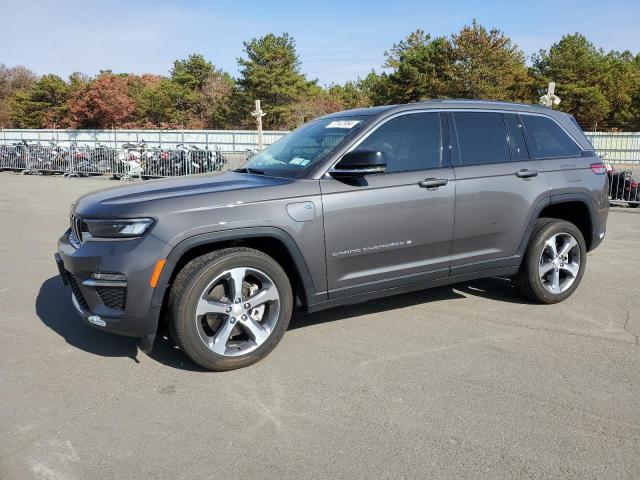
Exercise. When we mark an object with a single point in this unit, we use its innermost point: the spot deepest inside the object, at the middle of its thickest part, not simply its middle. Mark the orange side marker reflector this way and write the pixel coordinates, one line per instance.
(156, 273)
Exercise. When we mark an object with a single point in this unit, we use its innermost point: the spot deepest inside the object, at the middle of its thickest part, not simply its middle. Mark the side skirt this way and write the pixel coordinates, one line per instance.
(506, 271)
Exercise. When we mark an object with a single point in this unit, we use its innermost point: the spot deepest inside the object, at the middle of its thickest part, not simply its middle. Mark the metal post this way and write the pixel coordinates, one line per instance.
(550, 99)
(258, 113)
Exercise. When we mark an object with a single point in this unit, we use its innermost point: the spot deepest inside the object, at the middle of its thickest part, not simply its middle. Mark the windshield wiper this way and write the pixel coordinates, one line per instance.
(250, 170)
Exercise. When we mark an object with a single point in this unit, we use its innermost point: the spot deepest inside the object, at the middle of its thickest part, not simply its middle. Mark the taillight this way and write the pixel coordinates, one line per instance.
(598, 168)
(634, 184)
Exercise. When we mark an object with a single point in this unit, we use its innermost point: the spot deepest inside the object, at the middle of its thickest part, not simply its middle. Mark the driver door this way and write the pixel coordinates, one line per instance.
(392, 229)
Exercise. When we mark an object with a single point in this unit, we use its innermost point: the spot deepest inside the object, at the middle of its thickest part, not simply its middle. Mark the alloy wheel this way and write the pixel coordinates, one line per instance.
(559, 263)
(237, 311)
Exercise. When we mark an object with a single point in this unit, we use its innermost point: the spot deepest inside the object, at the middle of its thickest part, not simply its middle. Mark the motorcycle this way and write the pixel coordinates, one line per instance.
(623, 187)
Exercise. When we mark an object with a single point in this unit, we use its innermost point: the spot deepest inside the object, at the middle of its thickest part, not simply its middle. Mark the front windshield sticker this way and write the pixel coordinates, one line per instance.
(343, 124)
(297, 161)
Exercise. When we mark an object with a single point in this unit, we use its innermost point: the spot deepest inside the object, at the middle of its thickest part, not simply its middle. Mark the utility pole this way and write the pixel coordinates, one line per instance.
(550, 99)
(258, 113)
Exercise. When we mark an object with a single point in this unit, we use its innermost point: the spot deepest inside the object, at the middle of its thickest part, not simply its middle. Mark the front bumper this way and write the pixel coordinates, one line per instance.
(137, 316)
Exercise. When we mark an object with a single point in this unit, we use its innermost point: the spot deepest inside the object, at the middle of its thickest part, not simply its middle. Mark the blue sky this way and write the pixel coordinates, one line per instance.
(336, 40)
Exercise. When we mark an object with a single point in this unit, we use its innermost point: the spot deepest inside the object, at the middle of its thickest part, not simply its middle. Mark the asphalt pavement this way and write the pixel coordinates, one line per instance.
(466, 381)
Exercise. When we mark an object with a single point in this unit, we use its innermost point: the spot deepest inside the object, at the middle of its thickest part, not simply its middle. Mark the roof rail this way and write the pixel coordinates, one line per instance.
(475, 100)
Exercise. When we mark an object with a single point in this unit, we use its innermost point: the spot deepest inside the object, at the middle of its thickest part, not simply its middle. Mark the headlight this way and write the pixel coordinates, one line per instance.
(117, 228)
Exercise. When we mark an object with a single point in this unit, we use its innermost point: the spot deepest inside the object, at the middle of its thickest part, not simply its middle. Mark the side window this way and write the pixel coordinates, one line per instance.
(409, 142)
(482, 137)
(517, 144)
(547, 138)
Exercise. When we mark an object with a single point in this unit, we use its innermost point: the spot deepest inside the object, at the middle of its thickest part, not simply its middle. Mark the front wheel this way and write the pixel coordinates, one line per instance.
(228, 309)
(554, 262)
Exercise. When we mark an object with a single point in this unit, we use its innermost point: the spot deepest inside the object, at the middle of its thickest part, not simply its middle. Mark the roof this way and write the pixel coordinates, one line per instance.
(442, 103)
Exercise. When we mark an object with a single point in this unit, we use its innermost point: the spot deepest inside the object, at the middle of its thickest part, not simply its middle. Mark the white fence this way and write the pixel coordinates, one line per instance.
(225, 140)
(616, 147)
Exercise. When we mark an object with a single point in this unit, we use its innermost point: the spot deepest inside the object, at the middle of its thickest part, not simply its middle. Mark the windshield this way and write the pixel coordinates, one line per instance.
(295, 154)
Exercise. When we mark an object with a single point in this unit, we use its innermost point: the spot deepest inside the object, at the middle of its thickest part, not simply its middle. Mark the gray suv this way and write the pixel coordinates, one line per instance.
(352, 206)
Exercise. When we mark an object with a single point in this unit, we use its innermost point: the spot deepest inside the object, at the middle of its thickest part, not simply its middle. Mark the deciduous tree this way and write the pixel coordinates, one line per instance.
(103, 103)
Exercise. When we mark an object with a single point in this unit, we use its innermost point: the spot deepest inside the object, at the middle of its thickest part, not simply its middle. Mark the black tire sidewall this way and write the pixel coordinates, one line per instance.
(192, 342)
(533, 259)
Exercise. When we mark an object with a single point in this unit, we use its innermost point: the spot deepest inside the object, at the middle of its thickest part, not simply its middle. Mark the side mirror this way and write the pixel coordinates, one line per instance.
(359, 163)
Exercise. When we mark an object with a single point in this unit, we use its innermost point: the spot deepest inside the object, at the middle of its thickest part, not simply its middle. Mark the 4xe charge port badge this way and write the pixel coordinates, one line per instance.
(302, 211)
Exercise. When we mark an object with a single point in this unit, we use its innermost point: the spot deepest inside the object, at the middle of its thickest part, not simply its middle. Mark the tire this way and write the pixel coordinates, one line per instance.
(562, 276)
(250, 329)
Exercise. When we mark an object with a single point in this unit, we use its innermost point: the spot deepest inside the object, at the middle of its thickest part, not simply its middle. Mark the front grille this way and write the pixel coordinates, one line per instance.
(112, 297)
(75, 288)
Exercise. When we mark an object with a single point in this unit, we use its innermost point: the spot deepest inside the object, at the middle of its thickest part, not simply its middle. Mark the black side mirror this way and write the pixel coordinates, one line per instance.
(359, 163)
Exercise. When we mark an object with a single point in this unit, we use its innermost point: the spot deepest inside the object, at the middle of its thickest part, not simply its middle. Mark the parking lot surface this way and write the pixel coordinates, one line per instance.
(466, 381)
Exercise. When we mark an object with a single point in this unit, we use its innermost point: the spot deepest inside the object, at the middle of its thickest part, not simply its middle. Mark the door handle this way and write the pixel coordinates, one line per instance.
(526, 173)
(433, 182)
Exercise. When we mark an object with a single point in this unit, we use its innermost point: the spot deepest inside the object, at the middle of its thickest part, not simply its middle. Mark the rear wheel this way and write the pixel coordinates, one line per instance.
(554, 262)
(230, 308)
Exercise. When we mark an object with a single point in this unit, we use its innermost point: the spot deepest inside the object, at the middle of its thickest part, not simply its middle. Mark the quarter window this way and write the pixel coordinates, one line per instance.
(482, 138)
(548, 139)
(409, 142)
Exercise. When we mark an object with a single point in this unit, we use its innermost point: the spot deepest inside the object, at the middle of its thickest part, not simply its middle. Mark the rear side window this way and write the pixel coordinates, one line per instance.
(409, 142)
(482, 138)
(516, 138)
(547, 138)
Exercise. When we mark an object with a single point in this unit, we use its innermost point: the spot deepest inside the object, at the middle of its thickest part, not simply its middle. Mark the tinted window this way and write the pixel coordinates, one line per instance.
(547, 138)
(516, 138)
(482, 138)
(409, 142)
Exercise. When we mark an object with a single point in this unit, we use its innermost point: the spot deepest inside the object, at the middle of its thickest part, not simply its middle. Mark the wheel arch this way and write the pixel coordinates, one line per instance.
(574, 211)
(576, 208)
(273, 241)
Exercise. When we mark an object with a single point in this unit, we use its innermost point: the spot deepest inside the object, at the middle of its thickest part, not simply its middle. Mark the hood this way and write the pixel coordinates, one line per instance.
(151, 196)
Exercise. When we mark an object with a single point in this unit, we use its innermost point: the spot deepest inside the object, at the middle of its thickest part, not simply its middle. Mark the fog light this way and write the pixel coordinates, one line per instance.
(96, 320)
(114, 277)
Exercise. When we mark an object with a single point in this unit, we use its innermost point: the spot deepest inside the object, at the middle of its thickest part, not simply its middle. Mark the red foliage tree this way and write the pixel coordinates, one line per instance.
(103, 103)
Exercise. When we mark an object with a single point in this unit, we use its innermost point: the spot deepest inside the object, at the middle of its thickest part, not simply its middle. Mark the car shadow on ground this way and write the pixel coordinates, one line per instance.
(496, 288)
(55, 310)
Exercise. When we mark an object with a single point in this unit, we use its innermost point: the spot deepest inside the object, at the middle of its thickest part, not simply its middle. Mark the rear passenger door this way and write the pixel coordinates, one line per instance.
(561, 159)
(497, 187)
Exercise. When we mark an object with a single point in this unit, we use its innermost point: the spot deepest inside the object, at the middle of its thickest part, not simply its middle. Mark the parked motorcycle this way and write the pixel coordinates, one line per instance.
(623, 187)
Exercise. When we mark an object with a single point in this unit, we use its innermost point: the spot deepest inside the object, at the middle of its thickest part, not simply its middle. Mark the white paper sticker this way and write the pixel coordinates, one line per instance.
(343, 124)
(296, 161)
